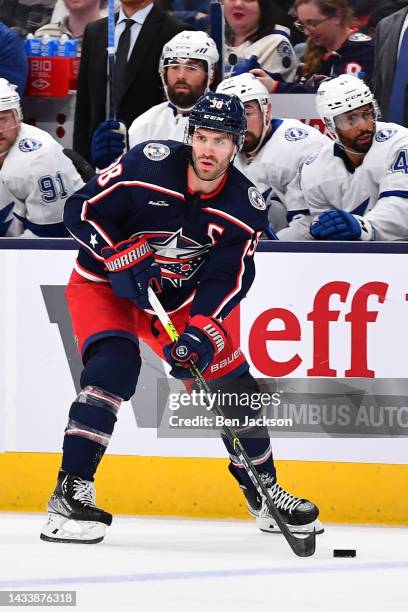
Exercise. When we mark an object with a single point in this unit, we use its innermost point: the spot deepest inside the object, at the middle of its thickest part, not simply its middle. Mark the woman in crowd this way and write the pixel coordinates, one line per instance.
(257, 38)
(333, 47)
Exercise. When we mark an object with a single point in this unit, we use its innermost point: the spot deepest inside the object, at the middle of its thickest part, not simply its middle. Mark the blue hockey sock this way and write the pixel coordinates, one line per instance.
(92, 418)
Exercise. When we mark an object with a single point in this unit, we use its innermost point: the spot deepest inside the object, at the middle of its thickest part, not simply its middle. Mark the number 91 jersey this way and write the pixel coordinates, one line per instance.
(35, 180)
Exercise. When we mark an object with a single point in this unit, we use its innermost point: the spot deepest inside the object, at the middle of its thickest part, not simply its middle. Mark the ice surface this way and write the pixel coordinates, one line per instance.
(149, 565)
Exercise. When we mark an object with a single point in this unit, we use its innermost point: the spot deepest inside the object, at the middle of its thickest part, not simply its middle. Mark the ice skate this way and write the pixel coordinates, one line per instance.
(299, 514)
(72, 514)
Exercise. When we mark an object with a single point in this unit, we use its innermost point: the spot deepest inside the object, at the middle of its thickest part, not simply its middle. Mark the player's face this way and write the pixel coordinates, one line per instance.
(242, 15)
(211, 153)
(9, 128)
(356, 128)
(254, 129)
(186, 82)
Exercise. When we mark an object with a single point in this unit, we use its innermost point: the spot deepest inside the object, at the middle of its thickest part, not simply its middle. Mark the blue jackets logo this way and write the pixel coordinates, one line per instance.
(256, 198)
(29, 144)
(156, 151)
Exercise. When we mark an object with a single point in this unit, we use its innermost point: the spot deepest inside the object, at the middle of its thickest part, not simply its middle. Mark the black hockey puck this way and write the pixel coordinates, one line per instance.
(338, 552)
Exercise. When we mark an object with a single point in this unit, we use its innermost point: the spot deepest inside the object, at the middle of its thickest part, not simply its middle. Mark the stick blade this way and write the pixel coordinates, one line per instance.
(303, 546)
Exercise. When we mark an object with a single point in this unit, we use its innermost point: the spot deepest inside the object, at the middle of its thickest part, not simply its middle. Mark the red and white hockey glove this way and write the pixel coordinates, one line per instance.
(132, 269)
(200, 342)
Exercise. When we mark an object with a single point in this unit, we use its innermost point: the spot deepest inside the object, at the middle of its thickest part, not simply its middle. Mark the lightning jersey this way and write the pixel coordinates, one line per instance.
(161, 122)
(36, 178)
(376, 190)
(204, 243)
(275, 168)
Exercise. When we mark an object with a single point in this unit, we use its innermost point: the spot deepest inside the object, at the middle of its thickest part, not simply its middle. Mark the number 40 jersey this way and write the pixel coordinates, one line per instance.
(376, 190)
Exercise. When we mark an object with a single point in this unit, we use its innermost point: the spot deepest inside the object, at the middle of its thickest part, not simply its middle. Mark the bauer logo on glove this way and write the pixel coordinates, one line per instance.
(201, 340)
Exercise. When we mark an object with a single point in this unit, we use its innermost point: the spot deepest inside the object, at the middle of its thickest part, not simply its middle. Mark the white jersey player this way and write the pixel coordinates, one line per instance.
(36, 177)
(357, 187)
(273, 154)
(187, 66)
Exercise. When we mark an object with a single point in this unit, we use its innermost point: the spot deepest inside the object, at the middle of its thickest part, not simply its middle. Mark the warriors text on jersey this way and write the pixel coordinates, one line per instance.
(204, 243)
(35, 180)
(377, 189)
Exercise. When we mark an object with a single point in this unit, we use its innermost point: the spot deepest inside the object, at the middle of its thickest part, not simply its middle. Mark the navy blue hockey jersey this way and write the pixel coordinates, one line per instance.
(355, 56)
(204, 243)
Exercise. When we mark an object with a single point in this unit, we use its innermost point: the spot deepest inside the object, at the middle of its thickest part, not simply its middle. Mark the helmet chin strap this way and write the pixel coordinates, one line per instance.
(266, 126)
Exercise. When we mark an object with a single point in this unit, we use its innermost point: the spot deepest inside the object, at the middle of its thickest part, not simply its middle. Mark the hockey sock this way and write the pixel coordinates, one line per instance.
(92, 418)
(254, 439)
(259, 451)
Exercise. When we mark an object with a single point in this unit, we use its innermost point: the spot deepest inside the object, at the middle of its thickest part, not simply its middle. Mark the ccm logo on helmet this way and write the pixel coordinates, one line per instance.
(213, 117)
(215, 336)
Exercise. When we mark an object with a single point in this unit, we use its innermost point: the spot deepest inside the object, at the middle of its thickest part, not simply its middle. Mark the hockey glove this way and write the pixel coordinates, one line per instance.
(108, 142)
(341, 225)
(131, 270)
(200, 341)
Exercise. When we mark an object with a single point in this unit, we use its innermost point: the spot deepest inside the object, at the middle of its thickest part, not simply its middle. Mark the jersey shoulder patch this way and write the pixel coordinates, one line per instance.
(296, 133)
(26, 145)
(359, 37)
(385, 134)
(156, 151)
(285, 51)
(256, 198)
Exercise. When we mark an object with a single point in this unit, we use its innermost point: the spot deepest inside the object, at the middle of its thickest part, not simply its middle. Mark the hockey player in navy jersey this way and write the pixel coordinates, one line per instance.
(178, 217)
(356, 188)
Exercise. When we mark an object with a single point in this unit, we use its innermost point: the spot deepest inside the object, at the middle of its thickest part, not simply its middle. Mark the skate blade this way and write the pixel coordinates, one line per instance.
(268, 525)
(64, 530)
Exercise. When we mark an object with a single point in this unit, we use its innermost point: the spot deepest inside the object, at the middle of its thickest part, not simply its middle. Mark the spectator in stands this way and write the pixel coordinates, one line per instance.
(13, 60)
(256, 39)
(141, 32)
(391, 73)
(26, 16)
(36, 177)
(332, 48)
(80, 13)
(193, 12)
(60, 10)
(367, 13)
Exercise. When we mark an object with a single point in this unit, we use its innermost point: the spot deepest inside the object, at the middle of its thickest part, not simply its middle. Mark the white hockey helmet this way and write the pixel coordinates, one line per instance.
(190, 45)
(9, 98)
(247, 87)
(341, 95)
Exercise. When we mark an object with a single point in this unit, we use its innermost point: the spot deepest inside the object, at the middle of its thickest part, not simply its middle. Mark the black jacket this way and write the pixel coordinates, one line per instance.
(143, 88)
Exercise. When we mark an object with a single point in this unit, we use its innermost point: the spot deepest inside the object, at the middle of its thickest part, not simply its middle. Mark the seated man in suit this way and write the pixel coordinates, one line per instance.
(391, 78)
(138, 86)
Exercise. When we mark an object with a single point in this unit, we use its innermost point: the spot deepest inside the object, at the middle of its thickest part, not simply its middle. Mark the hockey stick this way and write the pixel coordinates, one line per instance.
(217, 32)
(301, 546)
(111, 60)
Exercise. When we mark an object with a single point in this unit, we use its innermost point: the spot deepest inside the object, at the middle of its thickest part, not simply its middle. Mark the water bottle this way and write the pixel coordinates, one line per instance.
(67, 47)
(49, 46)
(32, 46)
